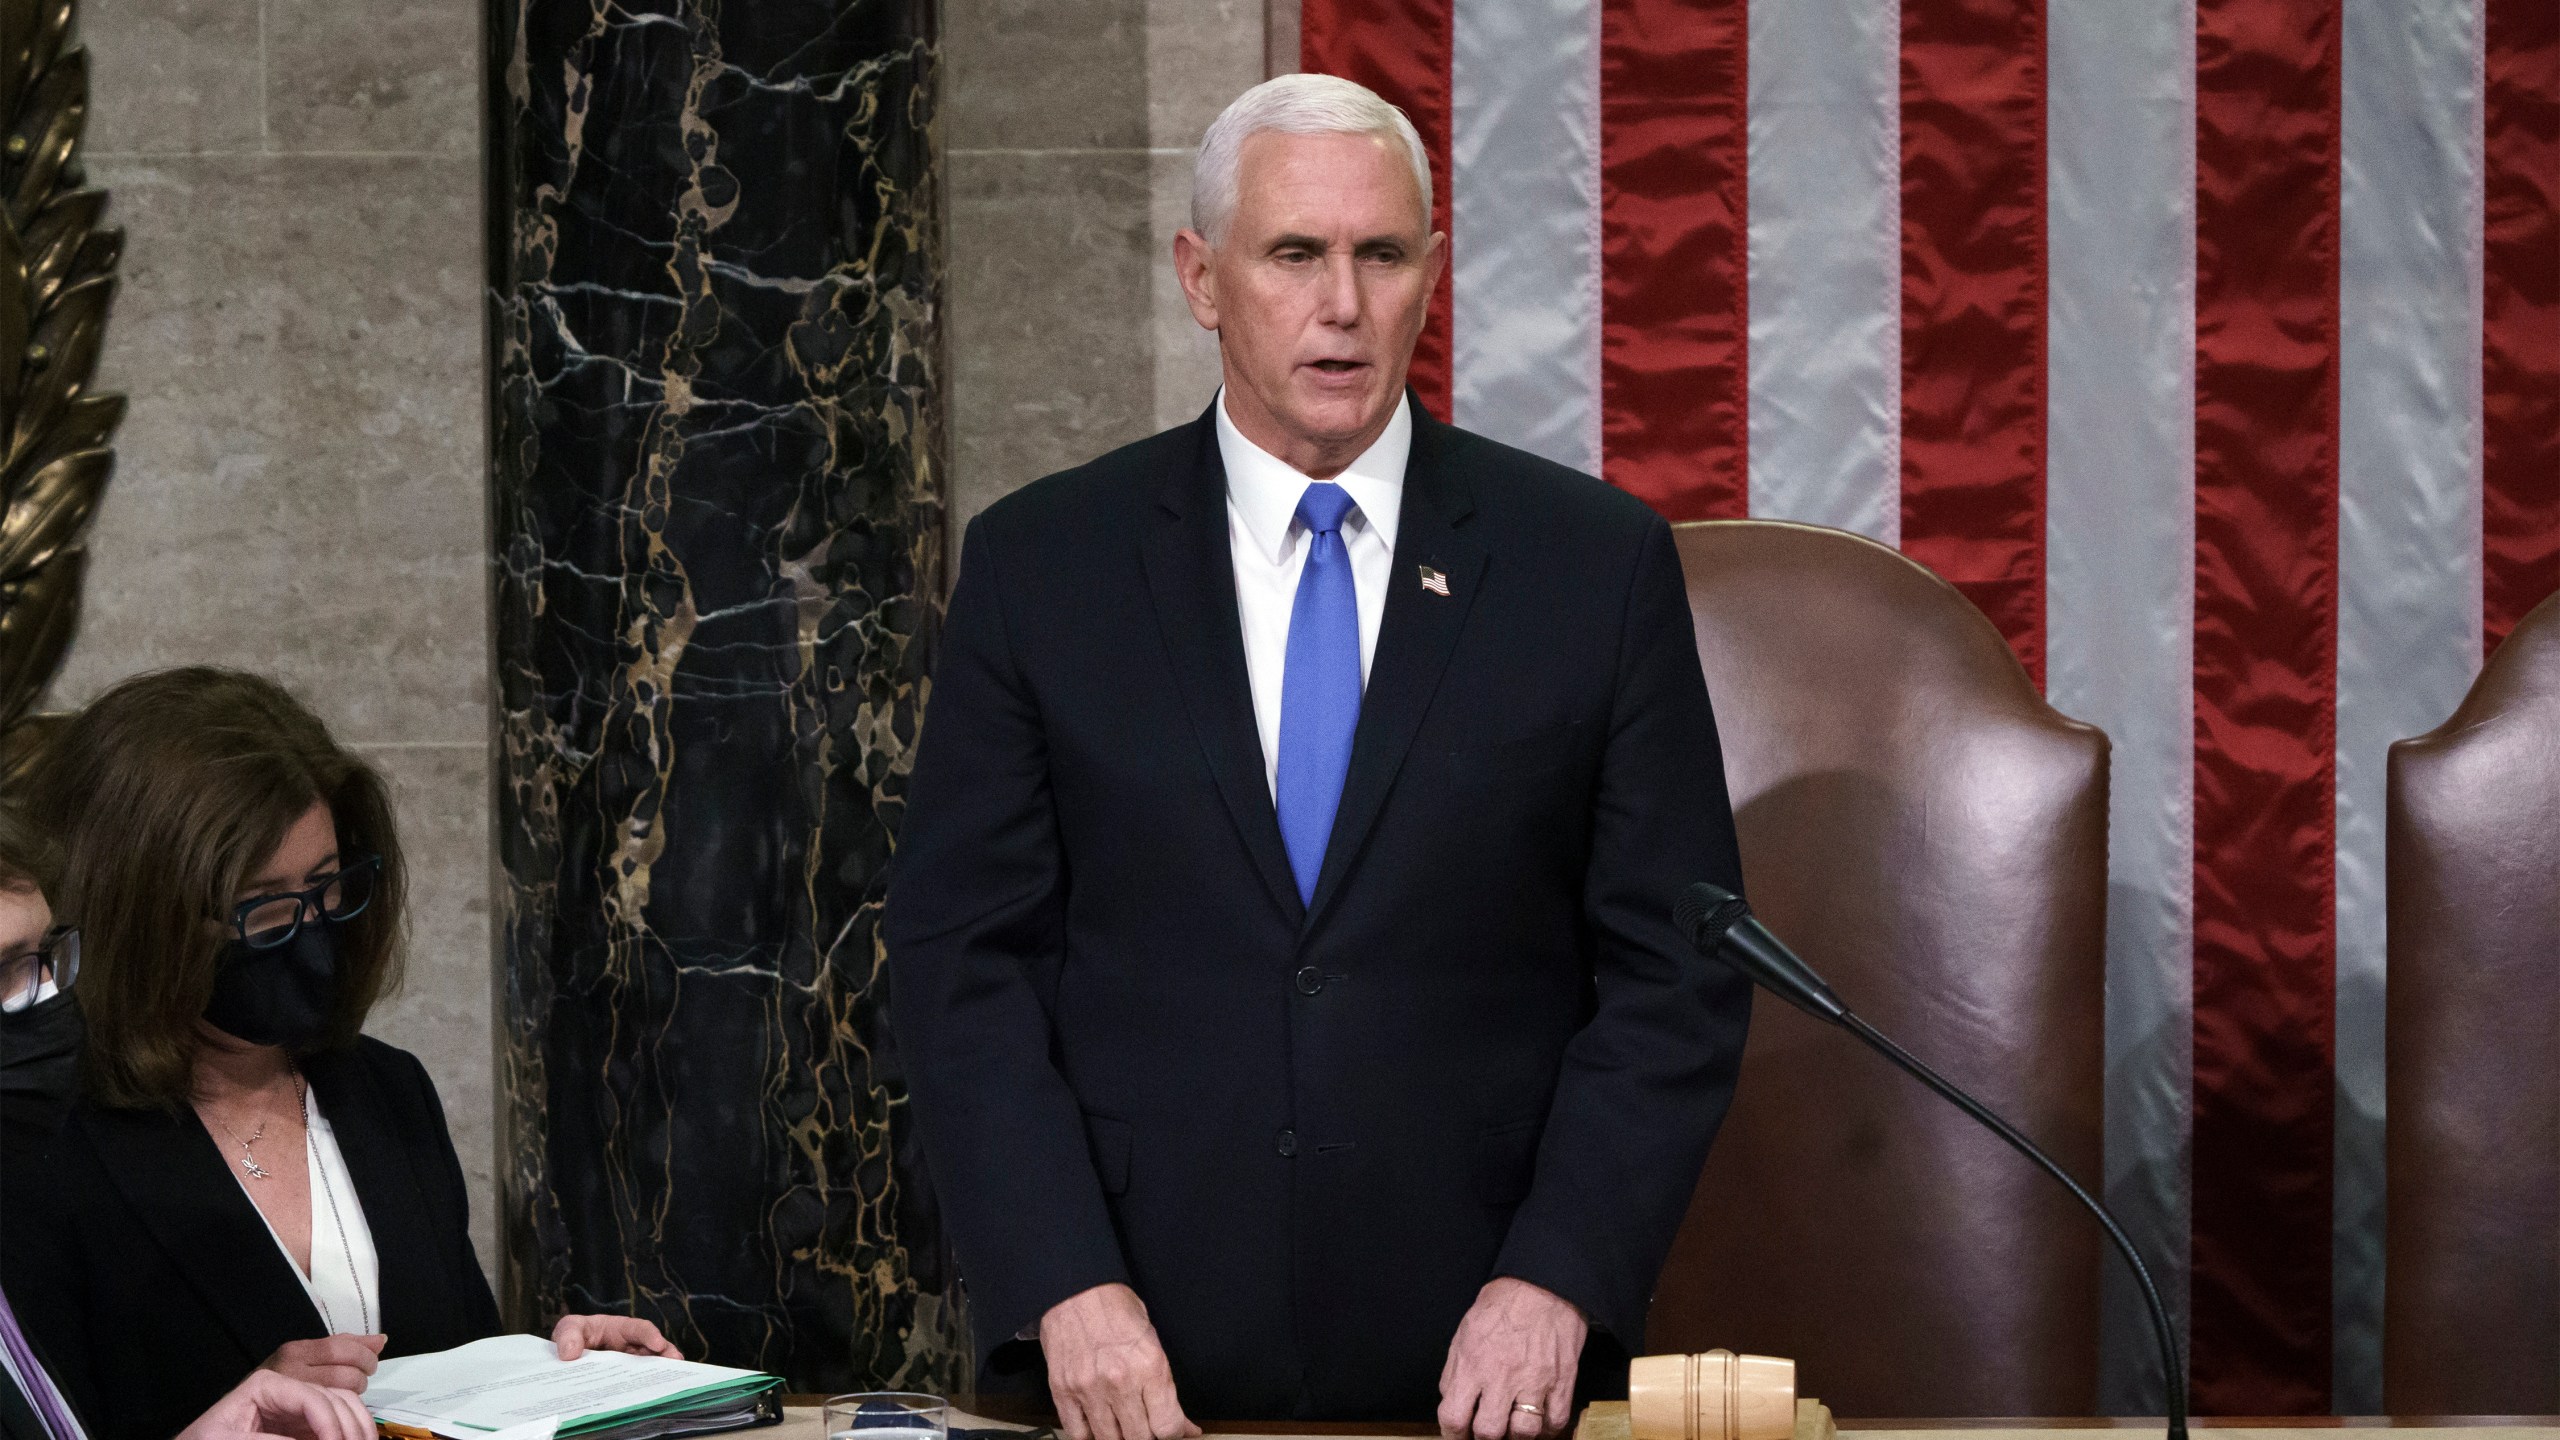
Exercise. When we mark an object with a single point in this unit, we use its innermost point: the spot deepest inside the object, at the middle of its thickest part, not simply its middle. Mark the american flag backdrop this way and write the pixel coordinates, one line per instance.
(2211, 346)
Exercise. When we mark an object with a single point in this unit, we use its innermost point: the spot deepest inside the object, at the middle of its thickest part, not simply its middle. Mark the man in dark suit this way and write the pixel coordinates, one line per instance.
(1281, 940)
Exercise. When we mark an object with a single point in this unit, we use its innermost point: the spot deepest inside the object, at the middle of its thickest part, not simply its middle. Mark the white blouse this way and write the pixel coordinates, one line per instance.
(345, 1281)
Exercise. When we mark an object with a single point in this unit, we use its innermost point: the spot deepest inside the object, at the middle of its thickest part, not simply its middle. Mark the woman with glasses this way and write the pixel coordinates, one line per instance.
(246, 1180)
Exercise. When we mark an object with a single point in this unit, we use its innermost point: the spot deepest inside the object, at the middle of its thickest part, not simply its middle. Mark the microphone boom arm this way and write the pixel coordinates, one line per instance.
(1718, 923)
(1947, 1089)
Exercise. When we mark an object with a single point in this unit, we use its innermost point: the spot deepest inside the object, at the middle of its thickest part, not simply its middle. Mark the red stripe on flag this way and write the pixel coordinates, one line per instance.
(2267, 185)
(1399, 48)
(1973, 306)
(1674, 288)
(2520, 316)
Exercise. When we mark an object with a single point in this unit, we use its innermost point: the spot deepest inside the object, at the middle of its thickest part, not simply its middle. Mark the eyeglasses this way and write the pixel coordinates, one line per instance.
(56, 958)
(264, 922)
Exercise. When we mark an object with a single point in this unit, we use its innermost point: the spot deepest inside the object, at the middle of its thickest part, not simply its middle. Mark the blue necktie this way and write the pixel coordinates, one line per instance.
(1319, 687)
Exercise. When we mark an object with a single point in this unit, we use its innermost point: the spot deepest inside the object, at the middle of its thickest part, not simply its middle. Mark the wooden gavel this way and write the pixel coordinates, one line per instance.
(1715, 1396)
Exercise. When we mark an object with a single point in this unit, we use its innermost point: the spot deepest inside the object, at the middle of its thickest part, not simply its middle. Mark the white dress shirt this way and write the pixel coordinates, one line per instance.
(1270, 549)
(345, 1280)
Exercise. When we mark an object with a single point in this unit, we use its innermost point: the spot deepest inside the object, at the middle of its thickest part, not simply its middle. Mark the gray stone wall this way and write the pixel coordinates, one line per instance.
(1070, 130)
(298, 490)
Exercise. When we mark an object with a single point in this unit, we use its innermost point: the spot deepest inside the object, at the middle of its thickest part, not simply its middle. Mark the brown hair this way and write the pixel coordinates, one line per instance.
(29, 859)
(169, 791)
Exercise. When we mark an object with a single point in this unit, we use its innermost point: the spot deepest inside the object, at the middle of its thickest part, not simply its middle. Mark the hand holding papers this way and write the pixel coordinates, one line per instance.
(515, 1387)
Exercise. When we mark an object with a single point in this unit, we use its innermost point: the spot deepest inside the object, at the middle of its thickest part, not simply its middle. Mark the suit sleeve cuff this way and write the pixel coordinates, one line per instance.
(1010, 1311)
(1561, 1270)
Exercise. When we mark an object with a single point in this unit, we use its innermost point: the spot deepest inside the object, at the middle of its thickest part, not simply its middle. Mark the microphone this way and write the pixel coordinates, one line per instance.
(1720, 924)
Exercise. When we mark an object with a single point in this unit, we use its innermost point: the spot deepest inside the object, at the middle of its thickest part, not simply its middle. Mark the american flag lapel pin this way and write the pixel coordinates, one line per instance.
(1435, 582)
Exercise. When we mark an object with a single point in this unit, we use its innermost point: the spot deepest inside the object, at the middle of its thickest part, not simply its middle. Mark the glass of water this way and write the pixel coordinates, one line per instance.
(887, 1415)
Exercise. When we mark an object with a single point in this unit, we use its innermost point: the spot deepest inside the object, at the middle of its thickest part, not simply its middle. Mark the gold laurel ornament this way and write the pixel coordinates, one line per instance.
(57, 277)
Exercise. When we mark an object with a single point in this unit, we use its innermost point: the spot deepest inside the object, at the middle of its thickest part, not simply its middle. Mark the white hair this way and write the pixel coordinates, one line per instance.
(1293, 105)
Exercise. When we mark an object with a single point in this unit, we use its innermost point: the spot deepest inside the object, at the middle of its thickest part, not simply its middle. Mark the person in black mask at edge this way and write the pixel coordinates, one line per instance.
(245, 1181)
(39, 1023)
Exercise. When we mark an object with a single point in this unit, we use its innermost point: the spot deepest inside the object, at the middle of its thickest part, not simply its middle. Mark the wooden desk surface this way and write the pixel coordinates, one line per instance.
(800, 1422)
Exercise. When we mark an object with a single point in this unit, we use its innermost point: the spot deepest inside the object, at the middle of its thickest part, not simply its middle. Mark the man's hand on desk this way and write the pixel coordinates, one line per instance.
(1518, 1345)
(1107, 1372)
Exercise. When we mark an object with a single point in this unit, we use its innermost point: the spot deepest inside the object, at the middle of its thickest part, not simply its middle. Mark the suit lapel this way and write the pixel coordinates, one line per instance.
(178, 1181)
(388, 1187)
(1191, 575)
(1415, 637)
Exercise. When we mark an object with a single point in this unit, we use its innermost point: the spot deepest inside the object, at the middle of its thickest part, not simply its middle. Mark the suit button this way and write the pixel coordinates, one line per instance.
(1288, 1144)
(1310, 980)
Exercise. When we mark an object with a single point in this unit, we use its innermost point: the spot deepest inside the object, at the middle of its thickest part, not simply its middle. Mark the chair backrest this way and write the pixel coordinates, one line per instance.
(2471, 1321)
(1931, 836)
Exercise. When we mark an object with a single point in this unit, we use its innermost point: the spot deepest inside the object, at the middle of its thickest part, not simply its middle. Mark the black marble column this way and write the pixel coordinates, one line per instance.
(716, 433)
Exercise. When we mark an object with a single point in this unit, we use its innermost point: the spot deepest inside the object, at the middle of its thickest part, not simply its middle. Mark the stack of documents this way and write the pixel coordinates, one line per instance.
(513, 1387)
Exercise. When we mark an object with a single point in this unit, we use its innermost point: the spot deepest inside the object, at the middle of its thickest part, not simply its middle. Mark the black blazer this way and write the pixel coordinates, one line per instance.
(1307, 1135)
(18, 1418)
(17, 1415)
(153, 1285)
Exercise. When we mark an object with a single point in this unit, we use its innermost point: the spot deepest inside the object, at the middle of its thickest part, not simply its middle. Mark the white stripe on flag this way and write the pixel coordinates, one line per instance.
(2120, 584)
(1826, 263)
(2408, 533)
(1524, 222)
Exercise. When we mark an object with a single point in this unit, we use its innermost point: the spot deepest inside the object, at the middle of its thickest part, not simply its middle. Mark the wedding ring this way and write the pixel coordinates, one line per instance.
(1525, 1405)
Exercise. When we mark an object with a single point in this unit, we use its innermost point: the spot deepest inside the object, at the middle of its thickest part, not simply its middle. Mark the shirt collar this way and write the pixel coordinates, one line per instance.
(1265, 490)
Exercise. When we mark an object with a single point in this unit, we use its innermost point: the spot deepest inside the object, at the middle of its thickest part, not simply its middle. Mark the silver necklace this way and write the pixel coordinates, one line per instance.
(320, 1182)
(248, 1161)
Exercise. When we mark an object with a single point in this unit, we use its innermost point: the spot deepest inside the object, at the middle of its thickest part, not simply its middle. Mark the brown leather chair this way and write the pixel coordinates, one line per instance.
(1930, 835)
(2471, 1307)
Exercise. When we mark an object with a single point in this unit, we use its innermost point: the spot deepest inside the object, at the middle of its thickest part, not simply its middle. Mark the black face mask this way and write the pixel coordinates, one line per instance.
(281, 996)
(40, 1054)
